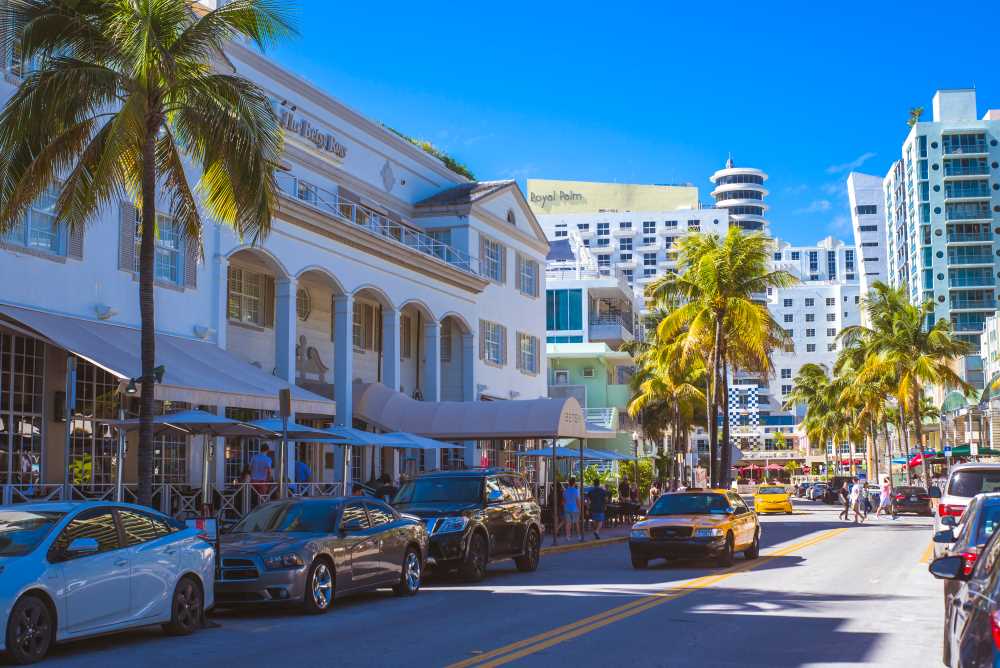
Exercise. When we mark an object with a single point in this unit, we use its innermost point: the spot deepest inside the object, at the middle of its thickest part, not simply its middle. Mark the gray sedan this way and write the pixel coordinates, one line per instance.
(306, 551)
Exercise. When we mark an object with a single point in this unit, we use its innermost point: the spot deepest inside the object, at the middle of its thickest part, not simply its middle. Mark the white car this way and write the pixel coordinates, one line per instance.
(964, 482)
(69, 570)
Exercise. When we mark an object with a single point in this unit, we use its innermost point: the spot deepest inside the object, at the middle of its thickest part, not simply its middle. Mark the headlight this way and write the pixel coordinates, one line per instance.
(639, 533)
(451, 524)
(707, 533)
(281, 561)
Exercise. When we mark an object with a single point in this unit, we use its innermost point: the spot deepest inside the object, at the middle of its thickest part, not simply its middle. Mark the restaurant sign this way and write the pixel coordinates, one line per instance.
(322, 139)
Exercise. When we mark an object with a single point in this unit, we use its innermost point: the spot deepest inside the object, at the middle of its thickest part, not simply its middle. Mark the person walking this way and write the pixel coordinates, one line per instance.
(261, 471)
(571, 506)
(844, 496)
(598, 497)
(624, 489)
(386, 490)
(885, 498)
(857, 502)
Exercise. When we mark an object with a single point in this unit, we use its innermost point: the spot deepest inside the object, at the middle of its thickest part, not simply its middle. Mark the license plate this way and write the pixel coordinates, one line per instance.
(913, 498)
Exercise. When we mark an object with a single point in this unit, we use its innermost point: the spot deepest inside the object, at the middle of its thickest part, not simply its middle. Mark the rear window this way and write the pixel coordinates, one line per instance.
(690, 504)
(441, 490)
(989, 517)
(911, 490)
(970, 483)
(771, 490)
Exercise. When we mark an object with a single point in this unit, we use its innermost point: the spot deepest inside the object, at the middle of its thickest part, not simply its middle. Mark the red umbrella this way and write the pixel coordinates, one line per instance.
(752, 467)
(775, 467)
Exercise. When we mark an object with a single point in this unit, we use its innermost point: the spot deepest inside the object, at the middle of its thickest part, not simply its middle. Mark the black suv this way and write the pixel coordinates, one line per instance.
(475, 516)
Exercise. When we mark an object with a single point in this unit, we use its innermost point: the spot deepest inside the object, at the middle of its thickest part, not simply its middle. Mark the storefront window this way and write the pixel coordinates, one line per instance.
(22, 370)
(239, 451)
(93, 443)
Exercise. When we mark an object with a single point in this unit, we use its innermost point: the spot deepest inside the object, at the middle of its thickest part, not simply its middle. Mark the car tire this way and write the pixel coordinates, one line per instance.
(753, 551)
(30, 631)
(725, 558)
(473, 568)
(320, 588)
(639, 563)
(528, 562)
(410, 574)
(187, 608)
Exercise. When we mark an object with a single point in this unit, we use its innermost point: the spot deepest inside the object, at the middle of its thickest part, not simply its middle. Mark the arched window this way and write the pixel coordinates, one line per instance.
(511, 218)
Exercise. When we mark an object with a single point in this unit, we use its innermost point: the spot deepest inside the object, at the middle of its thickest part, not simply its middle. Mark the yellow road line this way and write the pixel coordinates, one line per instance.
(925, 558)
(522, 648)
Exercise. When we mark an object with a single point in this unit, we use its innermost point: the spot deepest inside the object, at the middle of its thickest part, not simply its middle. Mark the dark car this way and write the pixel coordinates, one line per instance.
(308, 550)
(475, 516)
(911, 500)
(972, 616)
(802, 489)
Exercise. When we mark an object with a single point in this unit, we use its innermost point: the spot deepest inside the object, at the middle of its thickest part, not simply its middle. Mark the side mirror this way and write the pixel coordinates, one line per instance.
(934, 492)
(944, 536)
(494, 496)
(948, 568)
(79, 547)
(949, 521)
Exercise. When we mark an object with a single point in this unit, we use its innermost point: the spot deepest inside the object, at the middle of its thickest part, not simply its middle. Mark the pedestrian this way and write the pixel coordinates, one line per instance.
(885, 498)
(571, 506)
(654, 494)
(623, 489)
(857, 501)
(386, 490)
(844, 496)
(245, 477)
(261, 470)
(598, 497)
(303, 476)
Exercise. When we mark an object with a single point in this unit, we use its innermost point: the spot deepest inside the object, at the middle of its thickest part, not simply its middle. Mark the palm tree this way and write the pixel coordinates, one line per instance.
(712, 302)
(915, 114)
(123, 94)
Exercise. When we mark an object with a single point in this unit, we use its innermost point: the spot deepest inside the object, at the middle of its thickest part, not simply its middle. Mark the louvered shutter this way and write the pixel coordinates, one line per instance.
(482, 255)
(267, 301)
(74, 244)
(126, 237)
(503, 346)
(503, 264)
(192, 251)
(518, 268)
(482, 339)
(517, 347)
(231, 308)
(537, 288)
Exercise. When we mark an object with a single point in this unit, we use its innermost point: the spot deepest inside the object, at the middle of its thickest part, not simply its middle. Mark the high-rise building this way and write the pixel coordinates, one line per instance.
(741, 191)
(864, 192)
(942, 213)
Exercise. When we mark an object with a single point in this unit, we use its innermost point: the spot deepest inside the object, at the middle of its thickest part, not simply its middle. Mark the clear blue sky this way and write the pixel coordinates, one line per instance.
(656, 92)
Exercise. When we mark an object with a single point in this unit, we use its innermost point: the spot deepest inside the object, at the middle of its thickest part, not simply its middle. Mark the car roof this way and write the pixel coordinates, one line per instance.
(974, 465)
(467, 473)
(74, 506)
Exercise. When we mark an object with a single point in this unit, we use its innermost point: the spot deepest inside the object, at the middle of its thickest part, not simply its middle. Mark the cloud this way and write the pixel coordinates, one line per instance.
(522, 172)
(796, 190)
(853, 164)
(834, 188)
(816, 206)
(840, 224)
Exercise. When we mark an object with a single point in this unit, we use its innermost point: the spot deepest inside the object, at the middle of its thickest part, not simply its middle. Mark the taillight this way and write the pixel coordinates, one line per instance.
(969, 560)
(900, 497)
(946, 509)
(995, 628)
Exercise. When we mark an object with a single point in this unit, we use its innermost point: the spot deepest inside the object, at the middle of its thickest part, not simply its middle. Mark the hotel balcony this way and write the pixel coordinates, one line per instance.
(622, 231)
(612, 329)
(973, 304)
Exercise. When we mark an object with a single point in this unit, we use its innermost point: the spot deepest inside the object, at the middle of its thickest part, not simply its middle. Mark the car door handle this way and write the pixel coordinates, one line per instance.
(121, 562)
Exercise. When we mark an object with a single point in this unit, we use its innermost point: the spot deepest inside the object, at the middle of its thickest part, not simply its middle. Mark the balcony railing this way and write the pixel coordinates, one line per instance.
(970, 281)
(577, 272)
(375, 223)
(974, 303)
(607, 326)
(970, 259)
(978, 147)
(954, 237)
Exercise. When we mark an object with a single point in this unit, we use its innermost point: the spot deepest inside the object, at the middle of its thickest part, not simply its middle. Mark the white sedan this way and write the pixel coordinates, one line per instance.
(70, 570)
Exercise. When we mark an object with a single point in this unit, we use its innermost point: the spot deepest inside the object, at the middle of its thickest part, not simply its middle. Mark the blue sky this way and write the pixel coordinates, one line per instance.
(656, 92)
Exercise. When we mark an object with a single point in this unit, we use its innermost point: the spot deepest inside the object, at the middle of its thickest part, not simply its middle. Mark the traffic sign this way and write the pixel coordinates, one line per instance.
(974, 449)
(947, 451)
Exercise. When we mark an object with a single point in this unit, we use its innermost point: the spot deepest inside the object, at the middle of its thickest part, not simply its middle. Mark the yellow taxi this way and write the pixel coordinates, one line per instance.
(772, 499)
(710, 523)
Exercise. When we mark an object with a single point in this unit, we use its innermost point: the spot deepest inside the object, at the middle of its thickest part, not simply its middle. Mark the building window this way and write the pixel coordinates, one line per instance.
(796, 255)
(405, 337)
(813, 261)
(649, 227)
(810, 317)
(561, 233)
(445, 342)
(494, 339)
(364, 327)
(831, 317)
(303, 304)
(810, 301)
(38, 228)
(625, 225)
(625, 244)
(649, 259)
(603, 260)
(603, 229)
(169, 243)
(649, 271)
(527, 276)
(511, 218)
(866, 209)
(831, 331)
(583, 227)
(831, 347)
(786, 389)
(251, 297)
(777, 257)
(810, 332)
(564, 310)
(810, 347)
(670, 223)
(788, 317)
(603, 241)
(831, 264)
(625, 257)
(492, 259)
(527, 353)
(648, 241)
(787, 303)
(627, 273)
(786, 373)
(868, 228)
(22, 370)
(831, 301)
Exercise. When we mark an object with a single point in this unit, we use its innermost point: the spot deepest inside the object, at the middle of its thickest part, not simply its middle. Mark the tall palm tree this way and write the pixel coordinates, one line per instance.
(123, 94)
(713, 295)
(915, 114)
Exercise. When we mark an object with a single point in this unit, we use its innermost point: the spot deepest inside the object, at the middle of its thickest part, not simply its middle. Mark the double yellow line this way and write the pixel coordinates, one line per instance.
(537, 643)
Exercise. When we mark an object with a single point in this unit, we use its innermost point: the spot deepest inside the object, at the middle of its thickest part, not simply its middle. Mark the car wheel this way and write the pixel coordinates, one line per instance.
(29, 631)
(528, 561)
(753, 551)
(726, 557)
(473, 569)
(410, 574)
(319, 592)
(186, 609)
(639, 563)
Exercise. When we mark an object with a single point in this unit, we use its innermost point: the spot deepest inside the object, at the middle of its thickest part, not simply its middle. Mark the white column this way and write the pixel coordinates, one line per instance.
(390, 348)
(284, 329)
(432, 361)
(468, 367)
(343, 357)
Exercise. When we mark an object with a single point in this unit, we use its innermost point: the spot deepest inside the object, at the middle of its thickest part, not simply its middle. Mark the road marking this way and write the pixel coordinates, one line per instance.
(537, 643)
(925, 558)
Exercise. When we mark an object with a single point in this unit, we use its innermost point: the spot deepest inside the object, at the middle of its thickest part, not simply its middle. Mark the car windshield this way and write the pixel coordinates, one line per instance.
(911, 490)
(441, 490)
(989, 518)
(22, 531)
(771, 490)
(690, 504)
(970, 483)
(290, 517)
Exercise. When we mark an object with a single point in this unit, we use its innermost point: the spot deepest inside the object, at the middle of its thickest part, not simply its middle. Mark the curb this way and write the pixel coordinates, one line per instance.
(572, 547)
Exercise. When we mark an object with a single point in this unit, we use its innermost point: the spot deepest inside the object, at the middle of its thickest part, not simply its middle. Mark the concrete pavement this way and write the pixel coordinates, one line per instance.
(823, 593)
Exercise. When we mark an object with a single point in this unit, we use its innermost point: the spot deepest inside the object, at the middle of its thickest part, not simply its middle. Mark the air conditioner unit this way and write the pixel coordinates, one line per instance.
(588, 372)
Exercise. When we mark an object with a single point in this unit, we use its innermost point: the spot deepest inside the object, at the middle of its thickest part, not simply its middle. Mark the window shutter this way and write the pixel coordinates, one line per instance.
(192, 251)
(267, 301)
(503, 264)
(482, 255)
(537, 288)
(126, 237)
(503, 346)
(482, 339)
(537, 349)
(234, 313)
(74, 244)
(517, 346)
(518, 268)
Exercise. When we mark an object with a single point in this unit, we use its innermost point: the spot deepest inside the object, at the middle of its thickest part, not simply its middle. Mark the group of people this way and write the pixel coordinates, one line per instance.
(594, 501)
(260, 472)
(854, 499)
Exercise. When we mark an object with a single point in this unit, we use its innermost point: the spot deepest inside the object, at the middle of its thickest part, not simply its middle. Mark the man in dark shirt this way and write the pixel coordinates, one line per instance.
(598, 497)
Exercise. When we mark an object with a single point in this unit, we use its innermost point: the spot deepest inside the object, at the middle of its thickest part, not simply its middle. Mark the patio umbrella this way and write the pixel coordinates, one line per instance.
(775, 467)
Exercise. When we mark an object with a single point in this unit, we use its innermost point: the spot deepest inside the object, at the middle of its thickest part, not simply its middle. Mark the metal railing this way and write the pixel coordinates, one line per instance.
(375, 223)
(983, 258)
(602, 418)
(578, 272)
(953, 149)
(611, 320)
(970, 236)
(973, 303)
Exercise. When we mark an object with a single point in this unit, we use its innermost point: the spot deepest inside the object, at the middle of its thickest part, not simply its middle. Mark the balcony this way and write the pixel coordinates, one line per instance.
(374, 223)
(626, 263)
(983, 258)
(981, 304)
(974, 148)
(963, 237)
(622, 231)
(575, 272)
(612, 329)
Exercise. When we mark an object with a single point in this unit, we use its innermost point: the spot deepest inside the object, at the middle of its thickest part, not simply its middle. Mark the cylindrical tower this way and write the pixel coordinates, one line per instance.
(742, 191)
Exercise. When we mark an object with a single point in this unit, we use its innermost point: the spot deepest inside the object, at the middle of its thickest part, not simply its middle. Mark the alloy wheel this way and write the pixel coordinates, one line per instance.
(187, 605)
(411, 570)
(33, 632)
(322, 586)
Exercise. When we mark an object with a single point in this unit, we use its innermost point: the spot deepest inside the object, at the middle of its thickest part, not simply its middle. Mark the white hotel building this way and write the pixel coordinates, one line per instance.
(386, 278)
(864, 192)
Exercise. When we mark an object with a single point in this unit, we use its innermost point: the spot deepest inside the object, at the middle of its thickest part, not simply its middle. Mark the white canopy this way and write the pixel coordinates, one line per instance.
(197, 372)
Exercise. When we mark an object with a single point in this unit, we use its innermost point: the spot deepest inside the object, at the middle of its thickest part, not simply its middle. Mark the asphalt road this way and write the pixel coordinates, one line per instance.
(824, 592)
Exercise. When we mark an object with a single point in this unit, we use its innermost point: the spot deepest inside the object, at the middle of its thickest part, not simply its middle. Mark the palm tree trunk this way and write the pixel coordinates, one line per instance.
(873, 433)
(713, 390)
(147, 259)
(920, 437)
(904, 434)
(888, 449)
(726, 460)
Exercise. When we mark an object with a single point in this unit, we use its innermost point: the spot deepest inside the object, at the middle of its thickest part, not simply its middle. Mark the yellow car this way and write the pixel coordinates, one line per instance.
(772, 499)
(712, 523)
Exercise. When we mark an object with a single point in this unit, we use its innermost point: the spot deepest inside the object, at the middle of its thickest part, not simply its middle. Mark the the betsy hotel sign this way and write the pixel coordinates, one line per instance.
(324, 140)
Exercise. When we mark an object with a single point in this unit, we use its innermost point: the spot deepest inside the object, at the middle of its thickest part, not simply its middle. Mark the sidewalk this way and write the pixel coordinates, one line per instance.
(608, 537)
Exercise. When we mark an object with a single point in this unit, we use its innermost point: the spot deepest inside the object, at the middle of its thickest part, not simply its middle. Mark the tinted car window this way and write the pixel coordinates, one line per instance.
(970, 483)
(354, 518)
(690, 504)
(21, 532)
(380, 515)
(989, 518)
(98, 524)
(524, 489)
(289, 517)
(441, 490)
(492, 487)
(510, 492)
(142, 527)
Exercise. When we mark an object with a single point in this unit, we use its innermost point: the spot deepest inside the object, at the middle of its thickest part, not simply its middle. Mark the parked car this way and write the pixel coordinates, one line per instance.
(772, 499)
(307, 551)
(964, 482)
(802, 489)
(707, 524)
(71, 570)
(972, 628)
(475, 516)
(915, 500)
(817, 491)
